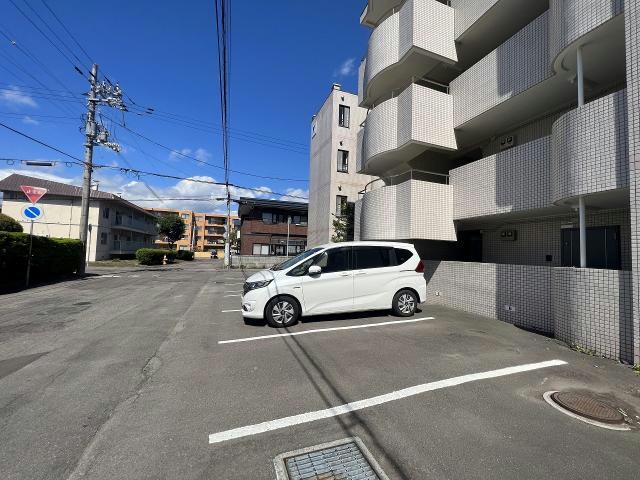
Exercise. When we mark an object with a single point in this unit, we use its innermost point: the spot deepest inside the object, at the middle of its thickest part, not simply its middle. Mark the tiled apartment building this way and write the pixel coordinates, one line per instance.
(117, 227)
(333, 178)
(506, 134)
(204, 232)
(272, 227)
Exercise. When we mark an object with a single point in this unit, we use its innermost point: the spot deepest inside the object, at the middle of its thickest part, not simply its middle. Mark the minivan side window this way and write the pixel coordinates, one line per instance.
(372, 257)
(402, 255)
(334, 260)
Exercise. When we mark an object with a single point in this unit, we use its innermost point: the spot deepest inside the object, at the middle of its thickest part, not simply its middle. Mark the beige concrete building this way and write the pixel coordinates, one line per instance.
(116, 227)
(204, 233)
(333, 179)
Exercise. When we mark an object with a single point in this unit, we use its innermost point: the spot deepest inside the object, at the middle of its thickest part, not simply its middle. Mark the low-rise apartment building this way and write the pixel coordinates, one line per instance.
(272, 227)
(204, 232)
(116, 227)
(506, 134)
(333, 178)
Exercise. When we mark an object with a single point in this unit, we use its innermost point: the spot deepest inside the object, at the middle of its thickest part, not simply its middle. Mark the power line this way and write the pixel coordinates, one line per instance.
(67, 30)
(75, 67)
(138, 173)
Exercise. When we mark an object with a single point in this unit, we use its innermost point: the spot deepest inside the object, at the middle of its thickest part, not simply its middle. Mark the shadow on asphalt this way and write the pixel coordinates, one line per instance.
(308, 363)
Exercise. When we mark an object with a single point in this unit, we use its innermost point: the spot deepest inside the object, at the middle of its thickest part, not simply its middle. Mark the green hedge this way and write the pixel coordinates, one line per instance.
(152, 256)
(185, 255)
(50, 257)
(8, 224)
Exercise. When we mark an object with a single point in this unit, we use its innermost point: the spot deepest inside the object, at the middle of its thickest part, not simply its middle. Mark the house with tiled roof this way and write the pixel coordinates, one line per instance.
(117, 227)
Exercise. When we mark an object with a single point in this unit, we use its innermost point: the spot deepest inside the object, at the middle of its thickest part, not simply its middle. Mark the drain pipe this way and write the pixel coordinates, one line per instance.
(583, 233)
(580, 74)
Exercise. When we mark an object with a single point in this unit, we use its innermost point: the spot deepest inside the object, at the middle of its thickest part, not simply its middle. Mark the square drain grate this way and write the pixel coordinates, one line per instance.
(346, 459)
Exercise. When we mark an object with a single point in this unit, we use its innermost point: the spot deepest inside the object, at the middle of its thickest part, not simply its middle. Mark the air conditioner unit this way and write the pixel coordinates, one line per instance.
(509, 235)
(507, 142)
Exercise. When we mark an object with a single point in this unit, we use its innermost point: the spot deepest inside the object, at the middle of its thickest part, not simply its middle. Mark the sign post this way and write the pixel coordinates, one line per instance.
(31, 213)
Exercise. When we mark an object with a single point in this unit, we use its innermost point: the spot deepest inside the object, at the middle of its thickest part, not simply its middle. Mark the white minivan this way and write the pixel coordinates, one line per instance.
(337, 278)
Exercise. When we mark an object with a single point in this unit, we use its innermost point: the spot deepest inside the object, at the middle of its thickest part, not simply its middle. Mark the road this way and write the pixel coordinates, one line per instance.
(122, 376)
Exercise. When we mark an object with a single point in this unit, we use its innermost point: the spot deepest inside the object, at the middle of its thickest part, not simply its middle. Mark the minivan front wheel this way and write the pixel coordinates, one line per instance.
(405, 303)
(282, 311)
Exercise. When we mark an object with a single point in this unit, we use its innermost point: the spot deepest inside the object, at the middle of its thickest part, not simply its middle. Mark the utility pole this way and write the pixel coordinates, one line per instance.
(100, 93)
(90, 134)
(227, 238)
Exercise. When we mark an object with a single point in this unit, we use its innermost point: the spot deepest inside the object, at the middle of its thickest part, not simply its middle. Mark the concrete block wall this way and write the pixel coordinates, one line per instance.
(516, 294)
(592, 310)
(590, 149)
(513, 180)
(514, 67)
(571, 19)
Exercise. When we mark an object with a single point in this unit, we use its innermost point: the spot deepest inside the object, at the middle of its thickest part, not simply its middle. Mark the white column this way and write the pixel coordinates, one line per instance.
(583, 233)
(580, 75)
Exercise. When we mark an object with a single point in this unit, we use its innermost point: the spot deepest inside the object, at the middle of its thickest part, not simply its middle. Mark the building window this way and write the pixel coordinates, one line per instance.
(314, 129)
(185, 216)
(260, 249)
(603, 247)
(343, 161)
(103, 238)
(344, 113)
(341, 205)
(105, 213)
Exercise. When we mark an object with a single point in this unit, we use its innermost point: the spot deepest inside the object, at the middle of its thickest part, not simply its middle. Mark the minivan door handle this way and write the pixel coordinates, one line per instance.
(345, 274)
(360, 273)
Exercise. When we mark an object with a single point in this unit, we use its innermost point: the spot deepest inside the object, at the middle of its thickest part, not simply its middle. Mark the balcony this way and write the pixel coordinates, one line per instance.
(590, 152)
(402, 127)
(411, 42)
(123, 222)
(407, 207)
(514, 180)
(375, 10)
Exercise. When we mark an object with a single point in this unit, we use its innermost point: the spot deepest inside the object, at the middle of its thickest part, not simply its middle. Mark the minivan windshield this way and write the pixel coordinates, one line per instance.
(298, 258)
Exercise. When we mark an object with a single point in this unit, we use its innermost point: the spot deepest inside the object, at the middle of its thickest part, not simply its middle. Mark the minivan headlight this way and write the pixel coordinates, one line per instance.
(248, 286)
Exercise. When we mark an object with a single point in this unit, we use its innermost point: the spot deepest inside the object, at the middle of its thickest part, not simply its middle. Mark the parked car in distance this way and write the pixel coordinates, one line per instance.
(337, 278)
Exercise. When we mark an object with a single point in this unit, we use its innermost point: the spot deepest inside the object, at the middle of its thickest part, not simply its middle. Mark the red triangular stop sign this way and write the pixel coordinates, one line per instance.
(33, 193)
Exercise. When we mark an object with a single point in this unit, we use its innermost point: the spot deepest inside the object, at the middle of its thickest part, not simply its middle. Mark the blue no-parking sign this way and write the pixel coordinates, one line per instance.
(31, 212)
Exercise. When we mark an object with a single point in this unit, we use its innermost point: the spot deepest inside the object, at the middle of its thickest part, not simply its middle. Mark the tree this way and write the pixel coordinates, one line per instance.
(172, 227)
(8, 224)
(343, 225)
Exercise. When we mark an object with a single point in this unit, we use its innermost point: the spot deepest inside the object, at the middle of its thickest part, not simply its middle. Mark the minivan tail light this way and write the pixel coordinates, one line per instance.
(420, 267)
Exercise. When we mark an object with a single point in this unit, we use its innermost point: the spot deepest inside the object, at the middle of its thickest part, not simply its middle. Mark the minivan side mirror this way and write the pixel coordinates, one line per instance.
(314, 270)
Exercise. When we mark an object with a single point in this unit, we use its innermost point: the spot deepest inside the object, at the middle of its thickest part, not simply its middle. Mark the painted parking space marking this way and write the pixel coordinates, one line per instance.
(373, 401)
(234, 295)
(229, 311)
(319, 330)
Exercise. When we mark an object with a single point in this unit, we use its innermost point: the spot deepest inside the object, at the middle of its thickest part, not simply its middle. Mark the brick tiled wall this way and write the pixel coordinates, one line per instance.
(486, 288)
(570, 19)
(515, 66)
(632, 35)
(590, 151)
(513, 180)
(410, 210)
(592, 310)
(468, 12)
(540, 237)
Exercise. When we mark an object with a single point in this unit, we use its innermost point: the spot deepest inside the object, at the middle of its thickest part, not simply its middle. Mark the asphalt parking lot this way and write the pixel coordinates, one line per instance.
(152, 374)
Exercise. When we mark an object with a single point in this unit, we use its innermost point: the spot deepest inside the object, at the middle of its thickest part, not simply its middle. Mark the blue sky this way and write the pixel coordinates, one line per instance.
(284, 56)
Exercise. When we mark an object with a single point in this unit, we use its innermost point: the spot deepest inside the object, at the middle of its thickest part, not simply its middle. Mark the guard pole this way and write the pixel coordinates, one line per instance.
(26, 284)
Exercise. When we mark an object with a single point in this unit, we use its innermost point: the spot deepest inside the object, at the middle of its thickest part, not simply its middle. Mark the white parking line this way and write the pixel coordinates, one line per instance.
(235, 295)
(228, 311)
(373, 401)
(317, 330)
(233, 291)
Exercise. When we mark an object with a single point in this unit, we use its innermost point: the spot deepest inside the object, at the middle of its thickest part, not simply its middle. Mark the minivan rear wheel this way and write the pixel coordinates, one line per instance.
(282, 311)
(405, 303)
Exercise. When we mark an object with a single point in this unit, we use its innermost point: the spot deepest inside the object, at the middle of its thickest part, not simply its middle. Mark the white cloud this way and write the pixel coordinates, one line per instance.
(346, 69)
(295, 195)
(5, 172)
(200, 154)
(30, 121)
(15, 96)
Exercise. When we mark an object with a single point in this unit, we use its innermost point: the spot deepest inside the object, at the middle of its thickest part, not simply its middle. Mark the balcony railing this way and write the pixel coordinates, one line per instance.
(413, 174)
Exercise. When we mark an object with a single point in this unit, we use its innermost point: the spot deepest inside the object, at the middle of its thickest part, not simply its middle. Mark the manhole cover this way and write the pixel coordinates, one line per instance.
(346, 459)
(588, 406)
